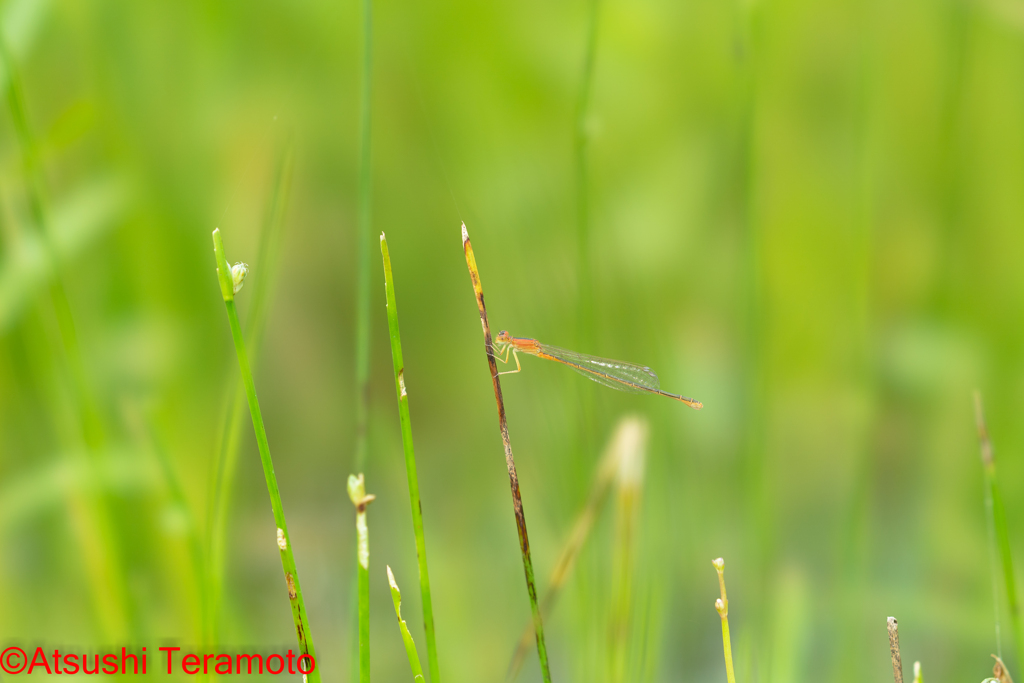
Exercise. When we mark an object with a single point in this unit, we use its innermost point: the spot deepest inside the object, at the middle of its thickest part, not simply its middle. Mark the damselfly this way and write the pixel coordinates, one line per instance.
(617, 374)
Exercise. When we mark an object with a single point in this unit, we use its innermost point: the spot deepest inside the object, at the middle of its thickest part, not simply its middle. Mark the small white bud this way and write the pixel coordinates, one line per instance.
(356, 488)
(238, 273)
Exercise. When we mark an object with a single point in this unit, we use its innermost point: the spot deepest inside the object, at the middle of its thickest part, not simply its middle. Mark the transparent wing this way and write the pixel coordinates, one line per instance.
(616, 374)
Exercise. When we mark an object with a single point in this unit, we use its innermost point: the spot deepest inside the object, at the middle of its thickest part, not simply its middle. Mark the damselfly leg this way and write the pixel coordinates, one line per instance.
(510, 349)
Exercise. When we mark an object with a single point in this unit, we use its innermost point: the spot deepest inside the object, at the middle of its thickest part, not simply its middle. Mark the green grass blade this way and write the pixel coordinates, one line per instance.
(410, 645)
(79, 483)
(722, 607)
(79, 221)
(228, 284)
(90, 516)
(226, 462)
(21, 21)
(997, 522)
(360, 499)
(410, 462)
(42, 489)
(362, 345)
(362, 304)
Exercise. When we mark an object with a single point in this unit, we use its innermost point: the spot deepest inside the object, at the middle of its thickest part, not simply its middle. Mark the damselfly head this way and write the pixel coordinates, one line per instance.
(504, 338)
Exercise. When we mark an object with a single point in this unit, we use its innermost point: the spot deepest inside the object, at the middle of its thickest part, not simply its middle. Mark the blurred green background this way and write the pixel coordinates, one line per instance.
(808, 215)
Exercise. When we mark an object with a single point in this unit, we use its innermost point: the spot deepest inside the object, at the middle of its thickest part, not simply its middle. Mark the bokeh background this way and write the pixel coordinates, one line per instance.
(807, 215)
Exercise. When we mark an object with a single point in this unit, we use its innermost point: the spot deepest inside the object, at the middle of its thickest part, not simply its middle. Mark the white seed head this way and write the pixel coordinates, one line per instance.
(719, 564)
(362, 541)
(356, 488)
(238, 273)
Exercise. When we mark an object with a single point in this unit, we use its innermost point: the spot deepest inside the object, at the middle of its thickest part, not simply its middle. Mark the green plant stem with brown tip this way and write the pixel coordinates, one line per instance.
(360, 499)
(997, 523)
(722, 607)
(510, 463)
(291, 575)
(410, 461)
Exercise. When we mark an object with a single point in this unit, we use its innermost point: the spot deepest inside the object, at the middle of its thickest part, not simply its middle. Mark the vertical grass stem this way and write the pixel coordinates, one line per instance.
(90, 517)
(410, 461)
(997, 524)
(581, 144)
(226, 461)
(513, 477)
(722, 607)
(230, 282)
(360, 499)
(894, 649)
(362, 303)
(362, 374)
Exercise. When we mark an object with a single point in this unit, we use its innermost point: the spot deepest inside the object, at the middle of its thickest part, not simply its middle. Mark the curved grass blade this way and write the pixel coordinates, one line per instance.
(228, 284)
(410, 645)
(226, 461)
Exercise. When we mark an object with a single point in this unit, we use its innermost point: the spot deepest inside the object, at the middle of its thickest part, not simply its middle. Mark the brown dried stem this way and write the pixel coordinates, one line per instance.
(513, 477)
(894, 650)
